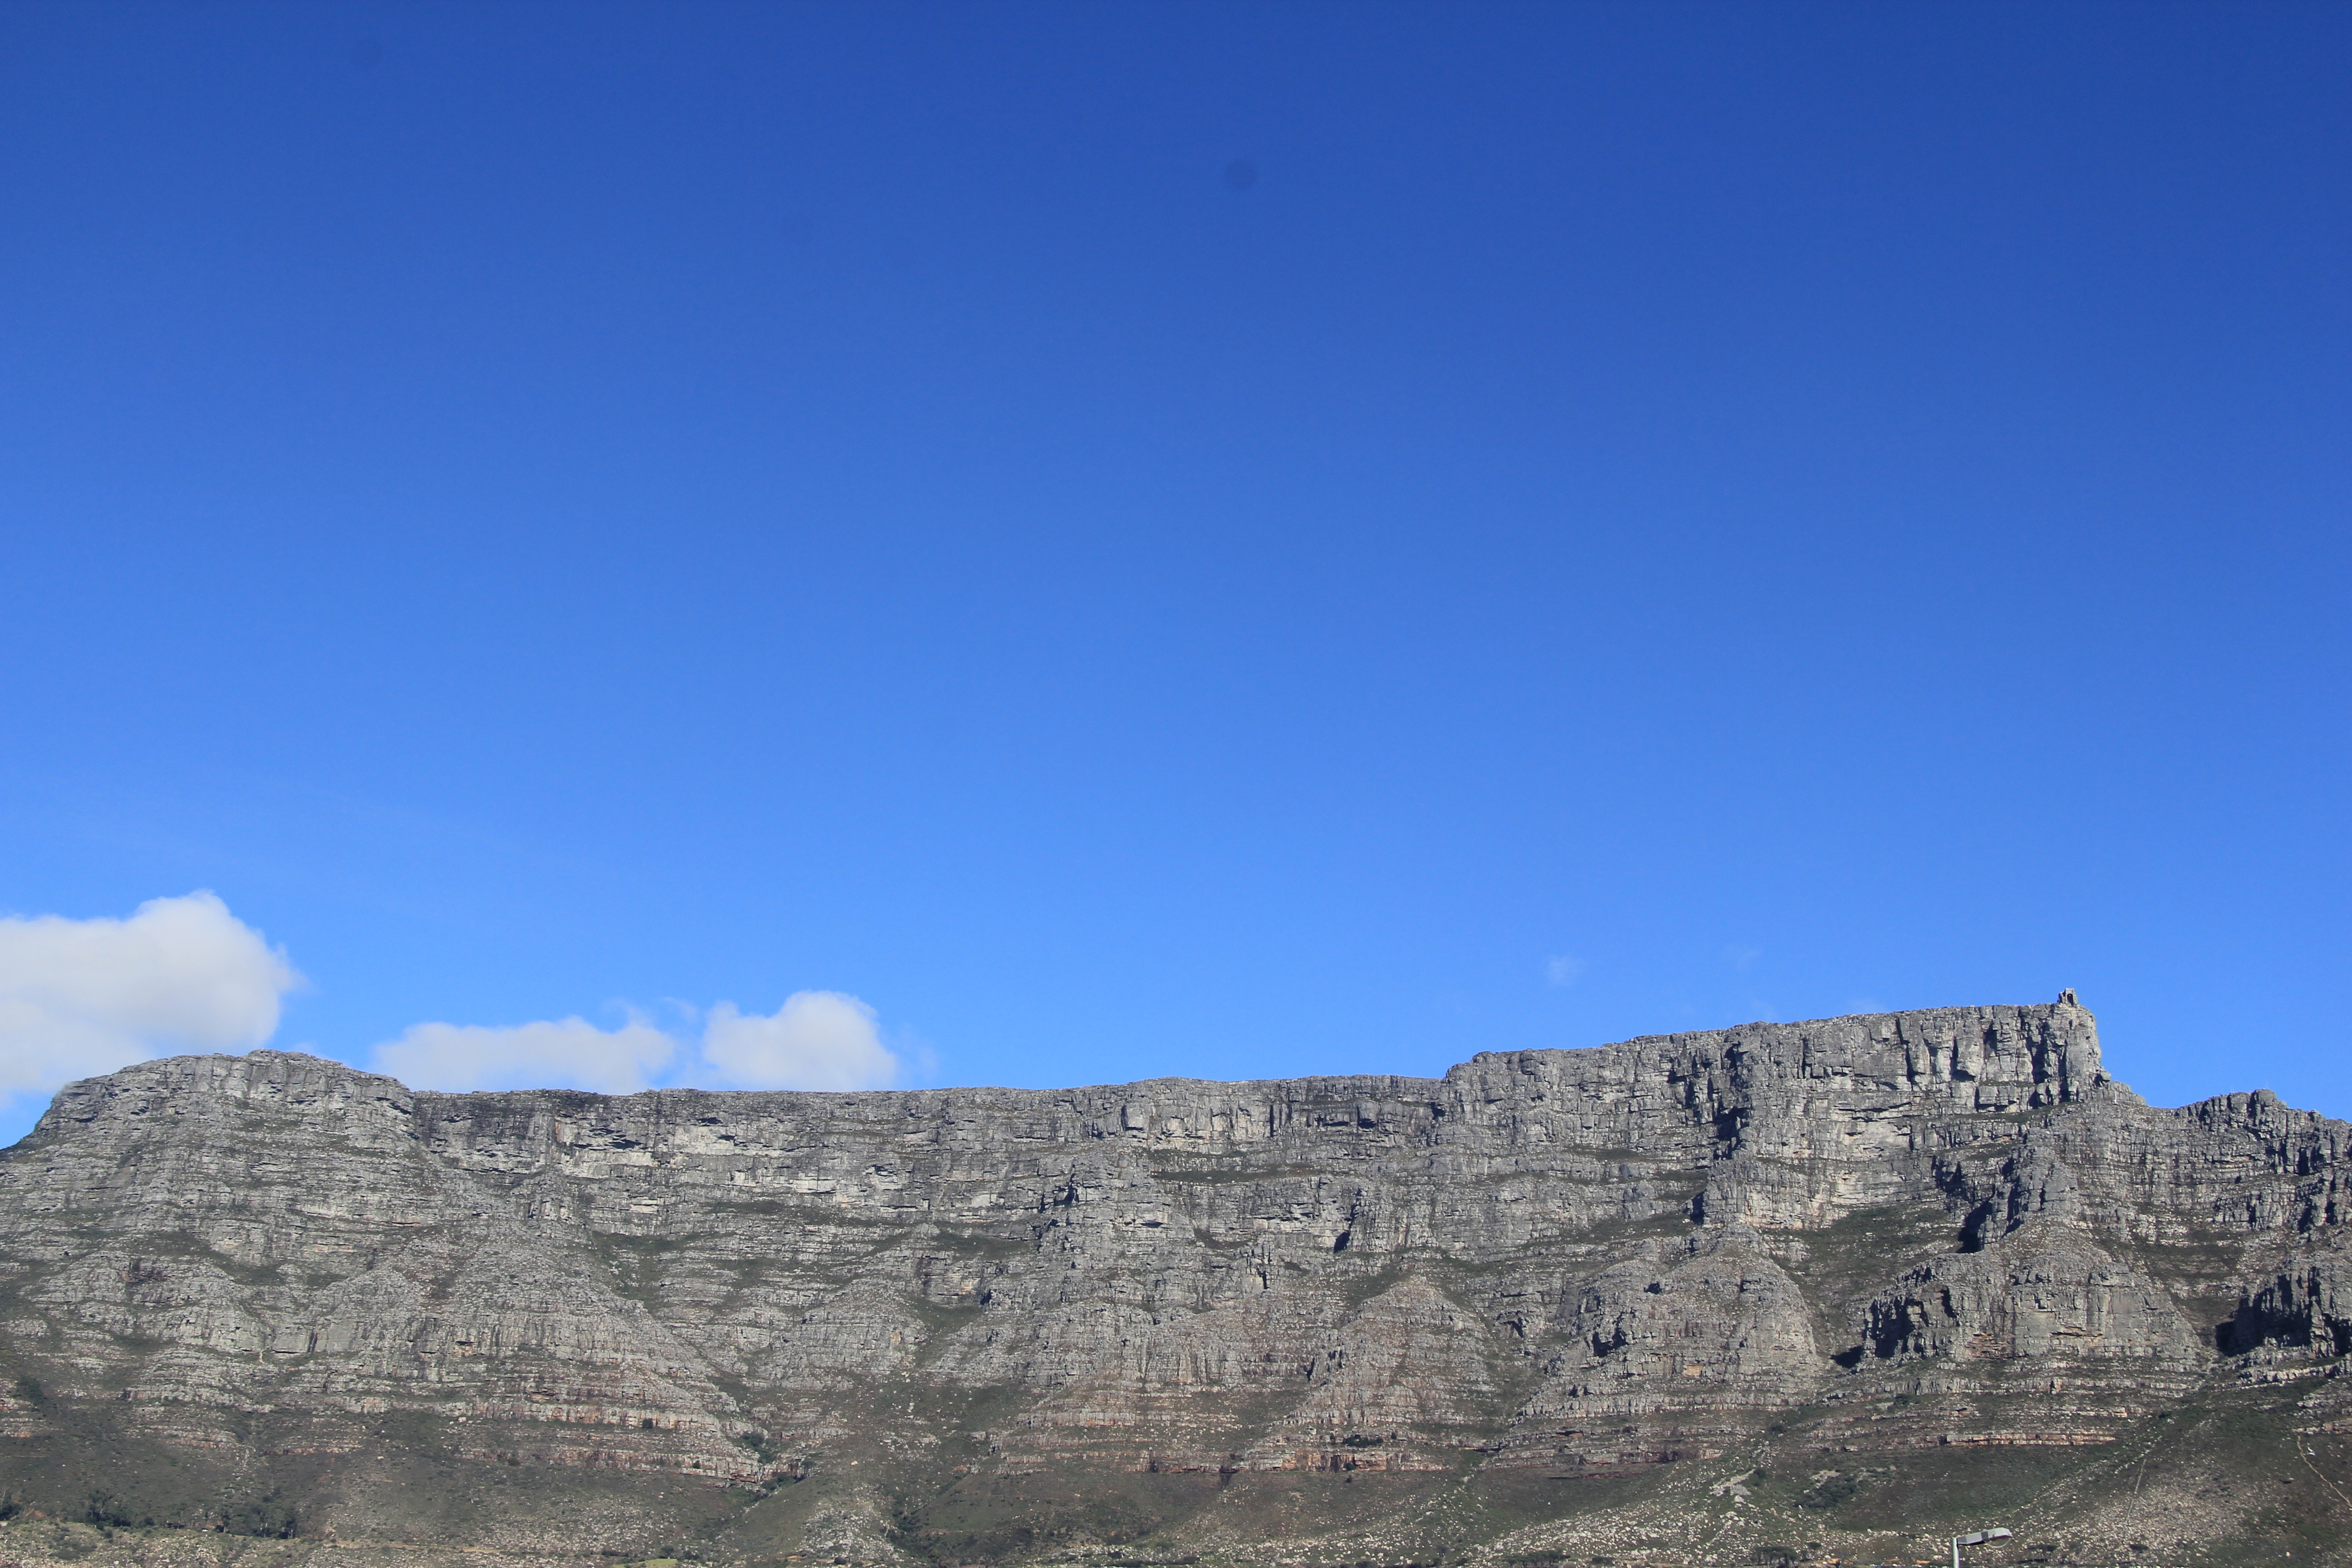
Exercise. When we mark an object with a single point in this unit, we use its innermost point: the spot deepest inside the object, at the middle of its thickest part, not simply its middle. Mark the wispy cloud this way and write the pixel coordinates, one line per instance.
(1563, 969)
(84, 997)
(563, 1053)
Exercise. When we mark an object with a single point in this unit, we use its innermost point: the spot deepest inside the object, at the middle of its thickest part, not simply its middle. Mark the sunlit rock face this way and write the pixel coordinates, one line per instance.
(1572, 1261)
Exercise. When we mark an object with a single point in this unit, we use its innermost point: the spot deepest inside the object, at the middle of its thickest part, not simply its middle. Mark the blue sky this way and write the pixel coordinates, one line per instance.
(1209, 540)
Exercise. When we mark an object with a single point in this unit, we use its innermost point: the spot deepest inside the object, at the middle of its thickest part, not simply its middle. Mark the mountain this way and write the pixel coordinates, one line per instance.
(1778, 1292)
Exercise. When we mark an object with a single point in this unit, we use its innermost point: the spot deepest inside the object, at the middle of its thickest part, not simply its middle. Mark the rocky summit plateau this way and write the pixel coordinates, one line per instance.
(1782, 1293)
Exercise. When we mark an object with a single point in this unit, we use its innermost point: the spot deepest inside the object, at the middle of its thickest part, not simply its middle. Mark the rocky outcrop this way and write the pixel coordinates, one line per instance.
(871, 1313)
(2306, 1305)
(2048, 1295)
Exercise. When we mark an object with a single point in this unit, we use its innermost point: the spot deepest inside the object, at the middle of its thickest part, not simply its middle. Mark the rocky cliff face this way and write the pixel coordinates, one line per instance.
(1381, 1317)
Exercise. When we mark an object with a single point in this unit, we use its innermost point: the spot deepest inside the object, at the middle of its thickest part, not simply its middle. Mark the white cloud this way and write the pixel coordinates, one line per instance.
(79, 997)
(569, 1053)
(817, 1039)
(1563, 969)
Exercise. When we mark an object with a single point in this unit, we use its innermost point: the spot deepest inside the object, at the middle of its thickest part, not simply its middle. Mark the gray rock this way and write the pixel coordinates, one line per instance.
(871, 1308)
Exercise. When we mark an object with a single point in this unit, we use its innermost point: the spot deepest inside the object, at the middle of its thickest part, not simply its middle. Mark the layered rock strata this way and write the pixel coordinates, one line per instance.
(1563, 1262)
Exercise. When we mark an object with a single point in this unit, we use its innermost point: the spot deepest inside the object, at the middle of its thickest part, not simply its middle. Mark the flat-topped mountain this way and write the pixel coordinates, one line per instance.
(1782, 1291)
